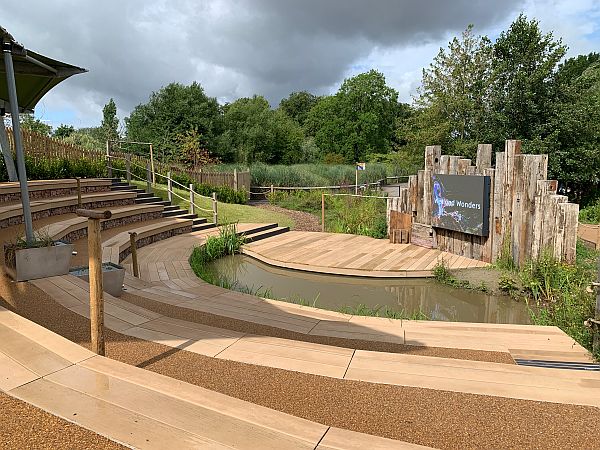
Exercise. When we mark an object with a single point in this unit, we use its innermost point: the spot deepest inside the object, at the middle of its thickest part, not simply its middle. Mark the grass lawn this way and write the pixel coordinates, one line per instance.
(227, 212)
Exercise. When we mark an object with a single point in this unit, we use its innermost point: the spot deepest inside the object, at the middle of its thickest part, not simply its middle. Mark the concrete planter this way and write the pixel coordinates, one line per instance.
(24, 264)
(112, 277)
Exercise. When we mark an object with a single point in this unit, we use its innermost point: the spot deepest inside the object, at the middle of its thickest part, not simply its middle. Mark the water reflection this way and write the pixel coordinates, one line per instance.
(410, 295)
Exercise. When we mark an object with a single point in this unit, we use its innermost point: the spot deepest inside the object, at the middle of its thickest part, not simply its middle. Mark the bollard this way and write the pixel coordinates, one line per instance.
(192, 206)
(133, 249)
(95, 268)
(214, 201)
(78, 191)
(128, 167)
(148, 179)
(169, 187)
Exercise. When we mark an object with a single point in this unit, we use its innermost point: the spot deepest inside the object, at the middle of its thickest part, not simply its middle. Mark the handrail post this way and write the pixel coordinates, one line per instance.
(323, 212)
(109, 164)
(148, 179)
(235, 179)
(78, 180)
(214, 205)
(152, 165)
(272, 189)
(169, 187)
(133, 249)
(128, 167)
(95, 274)
(192, 207)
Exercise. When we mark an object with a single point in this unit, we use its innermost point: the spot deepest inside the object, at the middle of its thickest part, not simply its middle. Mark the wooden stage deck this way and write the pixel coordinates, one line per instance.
(347, 254)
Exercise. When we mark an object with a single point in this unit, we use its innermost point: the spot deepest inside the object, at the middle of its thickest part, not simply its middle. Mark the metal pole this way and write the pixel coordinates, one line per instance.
(215, 213)
(8, 159)
(192, 207)
(169, 187)
(14, 112)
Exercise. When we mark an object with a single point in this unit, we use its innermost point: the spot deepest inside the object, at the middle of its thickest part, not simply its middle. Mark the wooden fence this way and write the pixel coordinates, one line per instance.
(40, 146)
(526, 214)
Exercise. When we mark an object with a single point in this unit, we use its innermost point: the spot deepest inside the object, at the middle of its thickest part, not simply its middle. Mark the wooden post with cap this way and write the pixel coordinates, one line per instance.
(79, 204)
(323, 212)
(95, 268)
(133, 249)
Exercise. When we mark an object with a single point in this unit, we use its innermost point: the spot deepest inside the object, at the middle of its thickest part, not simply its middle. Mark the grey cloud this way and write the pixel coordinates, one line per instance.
(233, 48)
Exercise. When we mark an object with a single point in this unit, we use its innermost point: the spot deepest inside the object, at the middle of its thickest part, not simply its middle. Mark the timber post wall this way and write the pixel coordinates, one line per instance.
(526, 215)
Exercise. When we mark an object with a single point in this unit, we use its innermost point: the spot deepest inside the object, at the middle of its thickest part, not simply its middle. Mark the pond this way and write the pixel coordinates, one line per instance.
(333, 292)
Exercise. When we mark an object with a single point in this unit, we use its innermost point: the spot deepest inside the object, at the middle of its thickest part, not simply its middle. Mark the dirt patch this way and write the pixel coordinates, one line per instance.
(303, 221)
(440, 419)
(486, 276)
(214, 320)
(25, 426)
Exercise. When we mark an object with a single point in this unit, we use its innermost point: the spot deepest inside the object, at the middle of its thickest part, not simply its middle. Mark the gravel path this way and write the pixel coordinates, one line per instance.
(436, 418)
(24, 426)
(303, 221)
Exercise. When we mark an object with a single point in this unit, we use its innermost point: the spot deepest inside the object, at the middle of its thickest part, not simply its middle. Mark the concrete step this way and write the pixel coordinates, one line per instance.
(203, 226)
(148, 200)
(145, 194)
(174, 213)
(171, 208)
(186, 215)
(258, 229)
(123, 187)
(199, 220)
(269, 232)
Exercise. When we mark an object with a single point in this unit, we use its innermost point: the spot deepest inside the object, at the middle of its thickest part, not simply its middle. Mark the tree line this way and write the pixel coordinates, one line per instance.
(474, 91)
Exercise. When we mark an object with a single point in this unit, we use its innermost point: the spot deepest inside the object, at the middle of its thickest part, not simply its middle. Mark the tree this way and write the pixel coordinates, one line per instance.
(172, 111)
(254, 132)
(192, 149)
(110, 121)
(297, 105)
(452, 103)
(573, 68)
(524, 83)
(63, 131)
(357, 120)
(28, 122)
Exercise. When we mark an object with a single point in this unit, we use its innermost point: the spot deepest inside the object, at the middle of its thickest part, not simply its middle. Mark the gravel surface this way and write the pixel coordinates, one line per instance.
(265, 330)
(303, 221)
(429, 417)
(24, 426)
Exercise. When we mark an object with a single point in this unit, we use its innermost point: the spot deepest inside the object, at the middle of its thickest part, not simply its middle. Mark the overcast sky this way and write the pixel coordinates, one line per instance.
(267, 47)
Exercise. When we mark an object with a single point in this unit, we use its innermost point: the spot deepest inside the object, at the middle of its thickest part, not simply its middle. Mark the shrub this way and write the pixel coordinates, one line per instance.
(225, 194)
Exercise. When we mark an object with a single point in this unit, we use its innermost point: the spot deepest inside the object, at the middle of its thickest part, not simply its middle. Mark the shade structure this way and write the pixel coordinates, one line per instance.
(35, 74)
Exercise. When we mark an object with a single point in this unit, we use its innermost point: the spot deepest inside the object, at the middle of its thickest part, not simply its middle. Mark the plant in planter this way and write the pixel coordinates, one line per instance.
(112, 277)
(43, 257)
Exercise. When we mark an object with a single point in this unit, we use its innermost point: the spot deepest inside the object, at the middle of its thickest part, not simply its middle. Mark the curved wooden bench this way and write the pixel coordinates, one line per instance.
(144, 409)
(40, 189)
(12, 214)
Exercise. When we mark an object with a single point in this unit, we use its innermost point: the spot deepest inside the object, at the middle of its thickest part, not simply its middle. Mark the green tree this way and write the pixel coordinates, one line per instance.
(572, 68)
(28, 122)
(524, 86)
(110, 121)
(63, 131)
(452, 103)
(254, 132)
(357, 120)
(172, 111)
(297, 105)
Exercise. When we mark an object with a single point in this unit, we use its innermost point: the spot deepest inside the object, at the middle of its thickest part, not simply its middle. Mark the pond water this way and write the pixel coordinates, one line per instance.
(409, 295)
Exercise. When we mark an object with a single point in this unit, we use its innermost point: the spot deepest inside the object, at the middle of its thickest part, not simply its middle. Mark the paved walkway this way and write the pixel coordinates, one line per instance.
(348, 254)
(143, 409)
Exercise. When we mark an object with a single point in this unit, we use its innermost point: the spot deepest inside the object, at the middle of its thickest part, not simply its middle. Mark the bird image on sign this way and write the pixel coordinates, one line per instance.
(361, 166)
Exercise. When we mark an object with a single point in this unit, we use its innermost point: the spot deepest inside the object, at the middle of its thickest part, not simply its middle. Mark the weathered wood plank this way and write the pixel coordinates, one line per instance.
(484, 158)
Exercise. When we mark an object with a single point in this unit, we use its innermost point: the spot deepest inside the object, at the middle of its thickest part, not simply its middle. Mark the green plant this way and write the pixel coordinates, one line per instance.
(382, 311)
(508, 284)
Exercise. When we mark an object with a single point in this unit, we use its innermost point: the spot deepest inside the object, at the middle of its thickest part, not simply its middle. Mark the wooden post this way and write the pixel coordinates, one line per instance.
(78, 191)
(95, 269)
(169, 187)
(152, 165)
(355, 178)
(148, 179)
(323, 212)
(272, 189)
(596, 326)
(235, 179)
(108, 163)
(214, 205)
(133, 248)
(128, 167)
(192, 206)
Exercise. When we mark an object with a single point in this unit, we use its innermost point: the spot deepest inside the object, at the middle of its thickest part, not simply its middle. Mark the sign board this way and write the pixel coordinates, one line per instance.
(361, 166)
(461, 203)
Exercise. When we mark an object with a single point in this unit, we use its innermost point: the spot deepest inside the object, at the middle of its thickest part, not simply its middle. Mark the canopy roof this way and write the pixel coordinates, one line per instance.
(35, 74)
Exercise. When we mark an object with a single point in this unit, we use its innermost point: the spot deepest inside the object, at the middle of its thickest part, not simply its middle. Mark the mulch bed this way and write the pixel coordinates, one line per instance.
(429, 417)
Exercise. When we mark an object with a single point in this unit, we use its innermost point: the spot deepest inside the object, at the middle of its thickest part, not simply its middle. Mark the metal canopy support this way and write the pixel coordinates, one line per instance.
(6, 153)
(14, 112)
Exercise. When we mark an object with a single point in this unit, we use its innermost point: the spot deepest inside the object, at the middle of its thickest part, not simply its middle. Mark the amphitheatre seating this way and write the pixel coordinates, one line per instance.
(464, 376)
(75, 228)
(39, 189)
(144, 409)
(12, 214)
